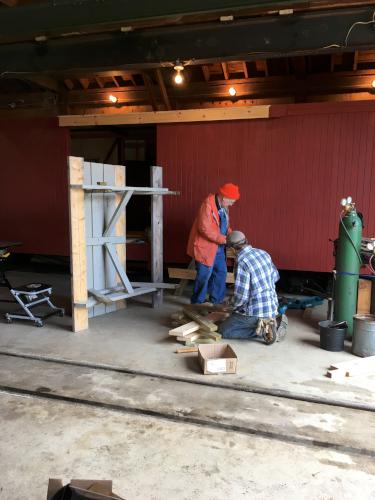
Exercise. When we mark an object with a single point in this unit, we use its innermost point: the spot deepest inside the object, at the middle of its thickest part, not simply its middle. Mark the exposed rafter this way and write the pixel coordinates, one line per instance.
(163, 89)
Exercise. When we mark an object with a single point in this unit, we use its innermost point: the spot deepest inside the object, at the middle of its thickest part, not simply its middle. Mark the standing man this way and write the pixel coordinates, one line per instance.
(207, 244)
(255, 302)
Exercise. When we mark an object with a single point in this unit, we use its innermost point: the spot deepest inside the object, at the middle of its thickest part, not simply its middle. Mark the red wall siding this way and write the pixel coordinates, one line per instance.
(292, 170)
(33, 185)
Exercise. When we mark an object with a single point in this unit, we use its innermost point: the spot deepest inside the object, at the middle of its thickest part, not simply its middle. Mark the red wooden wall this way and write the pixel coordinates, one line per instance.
(292, 170)
(33, 185)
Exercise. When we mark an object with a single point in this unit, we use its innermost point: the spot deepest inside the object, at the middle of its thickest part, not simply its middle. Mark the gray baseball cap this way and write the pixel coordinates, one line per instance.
(236, 238)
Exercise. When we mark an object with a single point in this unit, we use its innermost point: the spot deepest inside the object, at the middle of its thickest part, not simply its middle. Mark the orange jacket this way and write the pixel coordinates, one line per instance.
(205, 234)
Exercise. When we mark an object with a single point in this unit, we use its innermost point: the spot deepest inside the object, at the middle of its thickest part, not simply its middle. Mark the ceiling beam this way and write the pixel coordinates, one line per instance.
(9, 3)
(190, 115)
(62, 17)
(251, 39)
(42, 81)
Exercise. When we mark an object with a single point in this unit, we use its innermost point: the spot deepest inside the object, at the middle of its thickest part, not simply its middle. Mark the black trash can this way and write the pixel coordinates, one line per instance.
(332, 335)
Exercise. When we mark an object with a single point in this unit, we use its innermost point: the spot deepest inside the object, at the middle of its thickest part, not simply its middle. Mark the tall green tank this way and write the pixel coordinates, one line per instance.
(348, 260)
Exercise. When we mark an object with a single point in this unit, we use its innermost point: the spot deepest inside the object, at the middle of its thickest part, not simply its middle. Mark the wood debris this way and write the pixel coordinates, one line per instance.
(360, 366)
(197, 324)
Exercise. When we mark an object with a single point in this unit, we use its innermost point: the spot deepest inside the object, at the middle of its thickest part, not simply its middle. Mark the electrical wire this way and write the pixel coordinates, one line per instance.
(332, 46)
(363, 23)
(370, 264)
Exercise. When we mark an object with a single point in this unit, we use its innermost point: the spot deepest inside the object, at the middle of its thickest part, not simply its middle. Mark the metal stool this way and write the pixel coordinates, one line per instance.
(30, 296)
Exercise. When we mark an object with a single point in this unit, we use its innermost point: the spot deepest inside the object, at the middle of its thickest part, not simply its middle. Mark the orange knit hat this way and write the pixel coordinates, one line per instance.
(230, 191)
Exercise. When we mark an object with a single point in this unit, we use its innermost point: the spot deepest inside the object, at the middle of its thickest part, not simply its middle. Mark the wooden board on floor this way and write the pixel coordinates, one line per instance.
(359, 366)
(364, 296)
(205, 325)
(185, 329)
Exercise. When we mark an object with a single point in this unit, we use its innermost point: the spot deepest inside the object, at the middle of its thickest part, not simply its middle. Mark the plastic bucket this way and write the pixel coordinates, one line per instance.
(364, 335)
(332, 335)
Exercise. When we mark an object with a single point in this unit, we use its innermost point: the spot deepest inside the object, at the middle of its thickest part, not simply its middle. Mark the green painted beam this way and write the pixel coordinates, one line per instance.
(256, 38)
(68, 16)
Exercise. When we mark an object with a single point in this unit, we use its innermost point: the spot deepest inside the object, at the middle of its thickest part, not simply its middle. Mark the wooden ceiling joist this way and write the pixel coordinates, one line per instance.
(163, 89)
(225, 70)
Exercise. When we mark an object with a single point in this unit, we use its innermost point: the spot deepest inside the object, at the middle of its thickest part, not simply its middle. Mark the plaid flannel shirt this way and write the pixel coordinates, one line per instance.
(254, 289)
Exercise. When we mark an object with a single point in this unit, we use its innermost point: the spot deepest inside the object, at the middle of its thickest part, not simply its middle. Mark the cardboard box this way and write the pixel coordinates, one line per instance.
(217, 358)
(89, 488)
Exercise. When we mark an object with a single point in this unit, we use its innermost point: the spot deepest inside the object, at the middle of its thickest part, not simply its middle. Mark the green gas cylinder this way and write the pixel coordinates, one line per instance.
(348, 263)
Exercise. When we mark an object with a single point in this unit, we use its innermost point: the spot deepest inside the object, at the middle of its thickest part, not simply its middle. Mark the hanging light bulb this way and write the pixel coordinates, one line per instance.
(113, 98)
(178, 78)
(232, 91)
(373, 84)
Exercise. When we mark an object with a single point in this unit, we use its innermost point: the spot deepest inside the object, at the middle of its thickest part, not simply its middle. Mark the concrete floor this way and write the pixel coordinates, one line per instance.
(168, 455)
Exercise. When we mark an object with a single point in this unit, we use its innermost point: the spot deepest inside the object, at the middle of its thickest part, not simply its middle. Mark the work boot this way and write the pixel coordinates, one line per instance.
(282, 326)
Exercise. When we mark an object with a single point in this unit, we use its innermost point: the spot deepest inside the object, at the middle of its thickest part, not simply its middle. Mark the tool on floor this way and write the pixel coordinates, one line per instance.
(29, 296)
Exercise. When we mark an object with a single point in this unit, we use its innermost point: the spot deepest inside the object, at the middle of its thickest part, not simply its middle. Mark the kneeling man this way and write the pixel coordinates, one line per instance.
(255, 303)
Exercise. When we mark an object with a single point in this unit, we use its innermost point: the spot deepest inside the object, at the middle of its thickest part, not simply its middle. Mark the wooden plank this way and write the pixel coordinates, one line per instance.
(97, 207)
(190, 274)
(109, 205)
(181, 116)
(206, 325)
(183, 330)
(184, 350)
(225, 70)
(78, 244)
(88, 226)
(157, 234)
(120, 180)
(364, 296)
(183, 283)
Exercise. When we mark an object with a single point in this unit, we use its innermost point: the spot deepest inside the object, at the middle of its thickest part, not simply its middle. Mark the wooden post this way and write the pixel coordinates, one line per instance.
(78, 246)
(157, 235)
(120, 227)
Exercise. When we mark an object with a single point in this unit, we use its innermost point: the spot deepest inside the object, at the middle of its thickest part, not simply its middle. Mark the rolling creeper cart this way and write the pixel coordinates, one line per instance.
(29, 296)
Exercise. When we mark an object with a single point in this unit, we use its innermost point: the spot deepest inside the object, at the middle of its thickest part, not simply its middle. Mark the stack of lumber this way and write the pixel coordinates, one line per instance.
(357, 367)
(197, 324)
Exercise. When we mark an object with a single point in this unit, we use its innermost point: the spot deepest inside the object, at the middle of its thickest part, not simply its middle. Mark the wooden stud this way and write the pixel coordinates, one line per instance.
(120, 176)
(245, 70)
(77, 245)
(157, 234)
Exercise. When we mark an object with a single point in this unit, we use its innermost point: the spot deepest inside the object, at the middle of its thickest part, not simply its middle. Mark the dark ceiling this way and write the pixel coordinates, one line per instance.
(70, 56)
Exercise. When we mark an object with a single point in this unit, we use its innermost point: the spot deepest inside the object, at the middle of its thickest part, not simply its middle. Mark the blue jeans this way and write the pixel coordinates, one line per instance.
(238, 326)
(211, 280)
